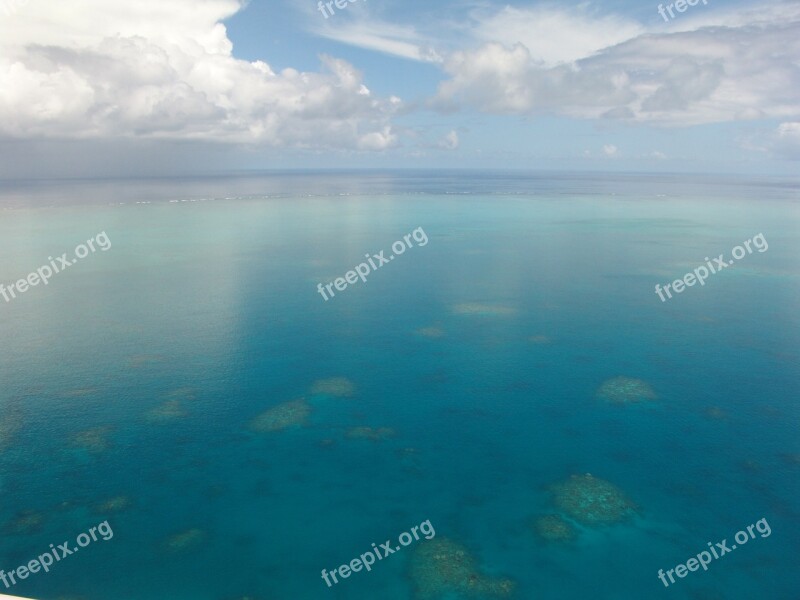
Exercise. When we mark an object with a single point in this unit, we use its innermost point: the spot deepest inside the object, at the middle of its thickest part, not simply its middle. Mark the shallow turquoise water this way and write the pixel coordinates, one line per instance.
(213, 305)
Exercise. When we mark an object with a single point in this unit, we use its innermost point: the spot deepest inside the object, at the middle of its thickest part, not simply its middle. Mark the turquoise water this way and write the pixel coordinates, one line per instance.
(204, 314)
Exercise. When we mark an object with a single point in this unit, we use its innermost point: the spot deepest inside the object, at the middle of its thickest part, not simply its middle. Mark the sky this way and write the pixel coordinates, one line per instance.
(105, 88)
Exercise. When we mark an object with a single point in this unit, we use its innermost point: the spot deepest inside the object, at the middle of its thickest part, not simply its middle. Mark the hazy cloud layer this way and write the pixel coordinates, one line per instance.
(711, 64)
(164, 69)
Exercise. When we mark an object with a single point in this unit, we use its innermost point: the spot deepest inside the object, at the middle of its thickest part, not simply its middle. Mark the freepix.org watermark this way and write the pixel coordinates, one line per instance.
(701, 273)
(362, 270)
(704, 558)
(57, 265)
(340, 4)
(680, 6)
(55, 554)
(367, 559)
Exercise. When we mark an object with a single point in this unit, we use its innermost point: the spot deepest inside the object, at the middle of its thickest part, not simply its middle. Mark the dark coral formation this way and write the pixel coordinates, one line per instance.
(370, 433)
(591, 500)
(792, 459)
(554, 528)
(25, 523)
(441, 566)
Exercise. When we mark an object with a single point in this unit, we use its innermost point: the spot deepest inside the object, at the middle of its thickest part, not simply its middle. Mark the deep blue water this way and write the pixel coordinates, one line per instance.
(209, 306)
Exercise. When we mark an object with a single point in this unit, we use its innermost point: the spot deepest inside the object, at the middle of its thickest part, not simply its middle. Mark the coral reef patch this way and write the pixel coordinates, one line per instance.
(287, 414)
(442, 566)
(625, 390)
(333, 386)
(591, 500)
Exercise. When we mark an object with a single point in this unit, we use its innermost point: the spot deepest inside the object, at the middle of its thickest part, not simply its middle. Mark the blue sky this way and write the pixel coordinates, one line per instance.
(180, 86)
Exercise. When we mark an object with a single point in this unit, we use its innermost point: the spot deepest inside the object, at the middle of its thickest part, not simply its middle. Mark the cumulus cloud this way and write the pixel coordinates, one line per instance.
(745, 68)
(610, 150)
(164, 69)
(377, 140)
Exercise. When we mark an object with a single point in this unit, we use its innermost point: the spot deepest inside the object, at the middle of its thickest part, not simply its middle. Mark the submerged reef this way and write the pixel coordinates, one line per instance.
(333, 386)
(293, 412)
(25, 523)
(80, 393)
(591, 500)
(442, 566)
(716, 413)
(10, 423)
(94, 440)
(476, 308)
(554, 528)
(184, 393)
(169, 411)
(625, 390)
(141, 360)
(112, 505)
(791, 459)
(431, 332)
(370, 433)
(184, 540)
(749, 466)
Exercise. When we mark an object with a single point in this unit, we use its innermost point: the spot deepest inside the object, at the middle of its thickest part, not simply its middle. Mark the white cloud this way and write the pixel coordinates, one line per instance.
(610, 150)
(164, 69)
(371, 34)
(377, 140)
(670, 79)
(785, 141)
(555, 35)
(449, 141)
(713, 64)
(756, 15)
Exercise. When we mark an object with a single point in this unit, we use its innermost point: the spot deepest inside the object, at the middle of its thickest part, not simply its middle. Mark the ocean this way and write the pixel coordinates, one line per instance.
(190, 387)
